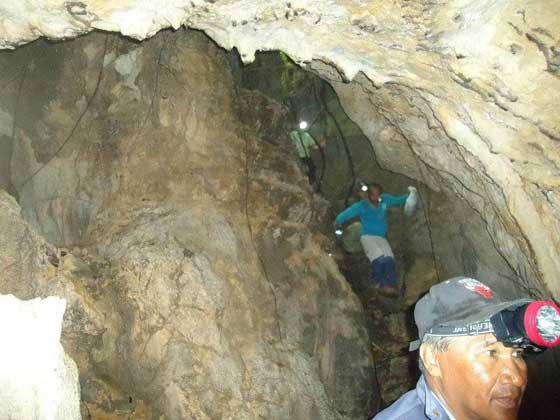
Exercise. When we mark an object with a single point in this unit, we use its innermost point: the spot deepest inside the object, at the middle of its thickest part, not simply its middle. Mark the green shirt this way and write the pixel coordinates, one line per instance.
(302, 141)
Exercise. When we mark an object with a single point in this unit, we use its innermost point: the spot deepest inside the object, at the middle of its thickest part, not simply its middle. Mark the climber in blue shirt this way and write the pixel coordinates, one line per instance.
(373, 216)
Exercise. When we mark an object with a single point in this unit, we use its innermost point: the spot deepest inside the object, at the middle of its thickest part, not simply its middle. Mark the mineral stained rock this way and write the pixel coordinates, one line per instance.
(186, 245)
(458, 95)
(38, 380)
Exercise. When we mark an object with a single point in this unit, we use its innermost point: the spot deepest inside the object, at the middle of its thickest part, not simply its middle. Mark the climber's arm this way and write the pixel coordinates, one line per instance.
(351, 212)
(394, 200)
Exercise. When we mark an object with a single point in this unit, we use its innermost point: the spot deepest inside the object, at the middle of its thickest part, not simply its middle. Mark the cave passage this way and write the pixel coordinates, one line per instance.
(159, 188)
(345, 160)
(345, 163)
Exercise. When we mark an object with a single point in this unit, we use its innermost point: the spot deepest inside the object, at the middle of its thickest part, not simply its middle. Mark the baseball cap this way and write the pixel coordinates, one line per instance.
(459, 306)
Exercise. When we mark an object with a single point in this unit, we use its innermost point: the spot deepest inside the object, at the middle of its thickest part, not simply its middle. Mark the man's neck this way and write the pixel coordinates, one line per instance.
(435, 389)
(442, 403)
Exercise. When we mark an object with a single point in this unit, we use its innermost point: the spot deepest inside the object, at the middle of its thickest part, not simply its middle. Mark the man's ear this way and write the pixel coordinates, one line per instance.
(430, 358)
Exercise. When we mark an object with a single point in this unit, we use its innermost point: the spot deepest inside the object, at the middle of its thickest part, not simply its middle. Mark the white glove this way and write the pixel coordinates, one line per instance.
(411, 201)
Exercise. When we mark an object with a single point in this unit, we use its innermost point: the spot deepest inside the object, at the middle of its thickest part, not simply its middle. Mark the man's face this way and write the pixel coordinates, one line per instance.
(481, 379)
(373, 194)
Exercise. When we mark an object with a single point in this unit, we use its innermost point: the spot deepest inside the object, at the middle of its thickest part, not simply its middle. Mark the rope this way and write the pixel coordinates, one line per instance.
(344, 143)
(76, 124)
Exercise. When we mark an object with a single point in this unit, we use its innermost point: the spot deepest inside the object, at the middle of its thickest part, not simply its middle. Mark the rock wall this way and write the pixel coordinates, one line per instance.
(187, 246)
(461, 88)
(33, 268)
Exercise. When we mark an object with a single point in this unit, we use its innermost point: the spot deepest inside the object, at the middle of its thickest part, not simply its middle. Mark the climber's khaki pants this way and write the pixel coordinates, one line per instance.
(375, 247)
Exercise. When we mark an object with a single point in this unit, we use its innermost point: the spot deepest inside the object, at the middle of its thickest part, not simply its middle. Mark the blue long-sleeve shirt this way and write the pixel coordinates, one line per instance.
(374, 219)
(418, 404)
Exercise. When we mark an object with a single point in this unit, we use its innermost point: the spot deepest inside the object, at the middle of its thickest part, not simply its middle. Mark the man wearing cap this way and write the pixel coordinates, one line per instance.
(471, 346)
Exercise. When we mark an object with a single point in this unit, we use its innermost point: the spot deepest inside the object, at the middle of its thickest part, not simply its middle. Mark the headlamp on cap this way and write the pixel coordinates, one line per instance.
(464, 306)
(535, 324)
(302, 125)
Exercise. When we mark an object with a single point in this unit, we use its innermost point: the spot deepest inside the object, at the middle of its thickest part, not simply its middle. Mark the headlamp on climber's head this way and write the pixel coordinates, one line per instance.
(302, 125)
(531, 325)
(363, 186)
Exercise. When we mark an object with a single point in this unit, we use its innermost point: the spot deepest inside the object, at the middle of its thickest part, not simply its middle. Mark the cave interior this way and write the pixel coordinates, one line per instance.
(154, 186)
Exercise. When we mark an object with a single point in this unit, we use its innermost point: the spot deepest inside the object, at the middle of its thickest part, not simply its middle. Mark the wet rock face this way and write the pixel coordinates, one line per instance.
(190, 242)
(460, 91)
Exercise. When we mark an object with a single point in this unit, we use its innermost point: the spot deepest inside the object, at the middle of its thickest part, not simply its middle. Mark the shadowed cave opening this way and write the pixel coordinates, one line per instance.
(116, 149)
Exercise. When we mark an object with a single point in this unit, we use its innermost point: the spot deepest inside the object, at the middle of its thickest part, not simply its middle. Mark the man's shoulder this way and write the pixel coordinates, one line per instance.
(407, 407)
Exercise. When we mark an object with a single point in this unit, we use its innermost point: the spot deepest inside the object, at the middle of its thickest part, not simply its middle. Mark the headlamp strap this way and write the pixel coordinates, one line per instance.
(477, 328)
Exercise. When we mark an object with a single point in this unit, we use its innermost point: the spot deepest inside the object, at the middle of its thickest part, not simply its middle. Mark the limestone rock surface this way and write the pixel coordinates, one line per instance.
(188, 243)
(34, 268)
(38, 380)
